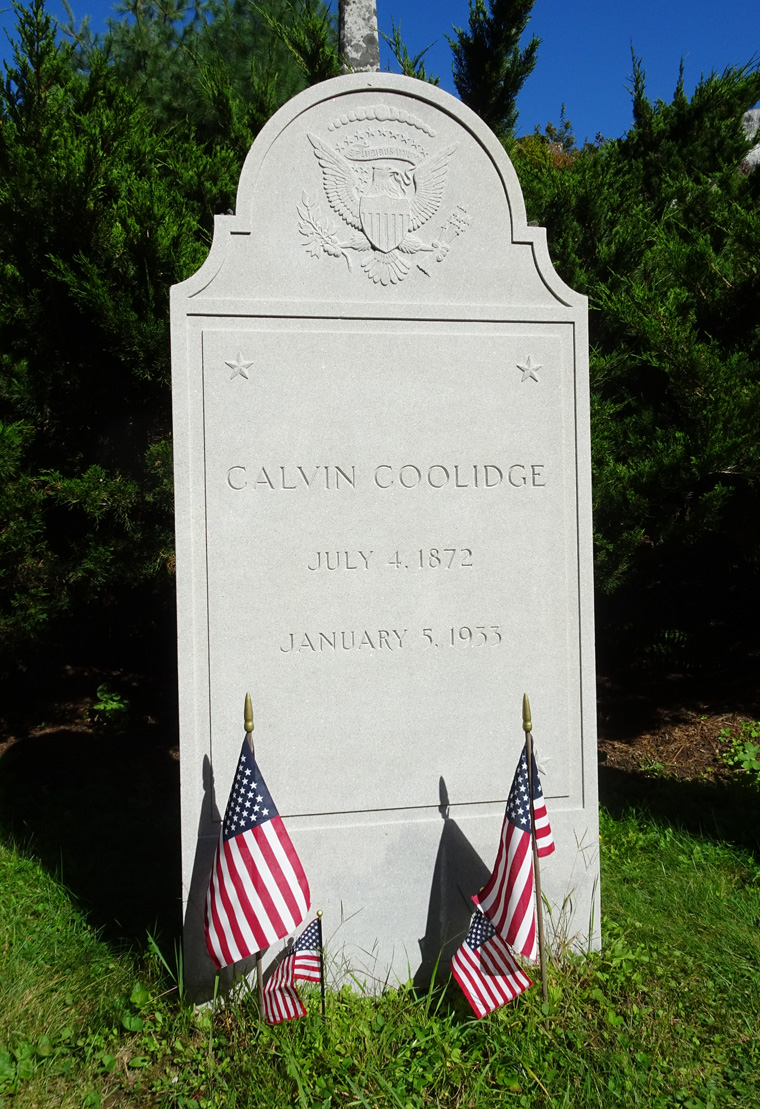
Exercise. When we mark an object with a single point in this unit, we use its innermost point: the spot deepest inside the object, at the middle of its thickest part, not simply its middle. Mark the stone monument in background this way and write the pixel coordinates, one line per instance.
(384, 523)
(358, 39)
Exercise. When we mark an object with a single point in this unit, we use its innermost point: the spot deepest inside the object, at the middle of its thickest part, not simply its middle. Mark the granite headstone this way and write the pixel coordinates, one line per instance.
(384, 522)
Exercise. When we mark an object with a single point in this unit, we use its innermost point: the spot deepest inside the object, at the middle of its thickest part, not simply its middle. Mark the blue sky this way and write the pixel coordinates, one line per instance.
(584, 60)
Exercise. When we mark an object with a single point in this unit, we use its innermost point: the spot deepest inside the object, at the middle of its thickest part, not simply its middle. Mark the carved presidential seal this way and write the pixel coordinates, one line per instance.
(385, 181)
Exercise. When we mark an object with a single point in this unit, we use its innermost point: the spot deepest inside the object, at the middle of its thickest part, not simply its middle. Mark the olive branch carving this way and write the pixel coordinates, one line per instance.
(320, 234)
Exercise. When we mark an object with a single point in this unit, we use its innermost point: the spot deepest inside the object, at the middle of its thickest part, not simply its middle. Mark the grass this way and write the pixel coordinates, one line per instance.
(667, 1015)
(60, 987)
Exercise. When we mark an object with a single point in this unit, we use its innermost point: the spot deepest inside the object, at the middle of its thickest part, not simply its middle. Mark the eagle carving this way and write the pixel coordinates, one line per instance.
(384, 188)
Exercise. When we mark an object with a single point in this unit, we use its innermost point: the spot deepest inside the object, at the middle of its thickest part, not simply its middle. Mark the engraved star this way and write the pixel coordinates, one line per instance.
(239, 367)
(528, 369)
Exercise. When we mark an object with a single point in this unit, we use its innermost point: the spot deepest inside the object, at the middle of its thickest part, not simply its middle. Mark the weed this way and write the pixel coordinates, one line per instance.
(110, 707)
(742, 751)
(651, 768)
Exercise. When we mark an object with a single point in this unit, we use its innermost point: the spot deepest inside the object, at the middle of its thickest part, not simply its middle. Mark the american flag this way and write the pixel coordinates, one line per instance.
(508, 899)
(258, 891)
(302, 963)
(485, 969)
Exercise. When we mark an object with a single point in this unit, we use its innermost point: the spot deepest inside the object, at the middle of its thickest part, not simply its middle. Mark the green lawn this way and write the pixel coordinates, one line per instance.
(667, 1015)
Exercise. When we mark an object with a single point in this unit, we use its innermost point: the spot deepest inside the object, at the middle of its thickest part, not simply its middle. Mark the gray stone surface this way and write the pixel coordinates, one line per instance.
(358, 37)
(751, 124)
(384, 521)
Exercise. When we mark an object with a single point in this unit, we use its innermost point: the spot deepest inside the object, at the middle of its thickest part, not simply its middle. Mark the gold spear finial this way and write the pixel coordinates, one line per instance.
(248, 714)
(527, 722)
(319, 913)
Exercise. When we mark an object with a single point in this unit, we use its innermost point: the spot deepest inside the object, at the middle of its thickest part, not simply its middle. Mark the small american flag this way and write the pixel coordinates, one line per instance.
(485, 969)
(258, 891)
(302, 963)
(508, 899)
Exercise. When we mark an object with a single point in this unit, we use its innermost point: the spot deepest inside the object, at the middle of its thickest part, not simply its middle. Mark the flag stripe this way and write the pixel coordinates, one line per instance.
(308, 968)
(264, 925)
(229, 897)
(497, 960)
(463, 971)
(281, 1000)
(283, 975)
(239, 916)
(237, 881)
(485, 969)
(225, 910)
(215, 930)
(283, 1004)
(490, 997)
(508, 898)
(260, 884)
(544, 838)
(257, 891)
(284, 862)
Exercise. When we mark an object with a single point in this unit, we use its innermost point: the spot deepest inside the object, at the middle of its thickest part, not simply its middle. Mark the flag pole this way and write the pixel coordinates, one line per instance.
(248, 725)
(528, 729)
(321, 961)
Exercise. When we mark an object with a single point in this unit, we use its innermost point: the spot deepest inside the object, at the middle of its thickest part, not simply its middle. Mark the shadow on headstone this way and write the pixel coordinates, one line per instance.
(459, 873)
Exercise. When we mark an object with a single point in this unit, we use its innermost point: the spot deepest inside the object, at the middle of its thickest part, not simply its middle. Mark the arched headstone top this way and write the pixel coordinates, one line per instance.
(384, 193)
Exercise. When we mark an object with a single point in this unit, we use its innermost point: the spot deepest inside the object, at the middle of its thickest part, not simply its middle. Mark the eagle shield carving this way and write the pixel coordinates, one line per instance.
(384, 184)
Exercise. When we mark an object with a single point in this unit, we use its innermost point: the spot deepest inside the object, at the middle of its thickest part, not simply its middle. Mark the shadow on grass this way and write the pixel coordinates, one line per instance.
(725, 812)
(98, 806)
(101, 812)
(682, 636)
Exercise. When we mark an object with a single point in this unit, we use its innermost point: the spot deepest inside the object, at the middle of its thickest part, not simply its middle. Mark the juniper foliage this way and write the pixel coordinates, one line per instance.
(100, 212)
(489, 66)
(661, 229)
